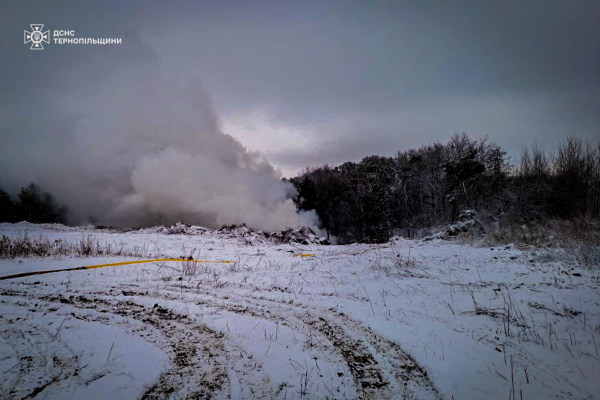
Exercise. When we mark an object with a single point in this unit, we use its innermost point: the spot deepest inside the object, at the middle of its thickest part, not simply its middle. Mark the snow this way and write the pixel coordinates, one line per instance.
(406, 319)
(69, 345)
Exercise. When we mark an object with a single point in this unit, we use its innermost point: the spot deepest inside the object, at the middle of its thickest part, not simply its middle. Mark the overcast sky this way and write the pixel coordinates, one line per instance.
(313, 82)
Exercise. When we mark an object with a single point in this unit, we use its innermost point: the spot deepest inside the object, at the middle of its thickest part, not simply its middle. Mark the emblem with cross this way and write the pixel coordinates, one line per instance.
(37, 37)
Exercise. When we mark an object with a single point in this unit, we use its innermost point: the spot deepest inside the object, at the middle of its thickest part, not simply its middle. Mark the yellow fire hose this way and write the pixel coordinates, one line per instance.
(21, 275)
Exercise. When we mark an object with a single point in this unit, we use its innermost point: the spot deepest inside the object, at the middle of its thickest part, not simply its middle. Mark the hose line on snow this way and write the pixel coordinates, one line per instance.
(23, 274)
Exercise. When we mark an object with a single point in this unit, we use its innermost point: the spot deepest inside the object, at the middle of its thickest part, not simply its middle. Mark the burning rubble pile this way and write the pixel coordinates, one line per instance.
(301, 235)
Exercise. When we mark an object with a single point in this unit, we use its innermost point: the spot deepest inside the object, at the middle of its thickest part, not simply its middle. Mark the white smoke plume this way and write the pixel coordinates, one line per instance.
(115, 140)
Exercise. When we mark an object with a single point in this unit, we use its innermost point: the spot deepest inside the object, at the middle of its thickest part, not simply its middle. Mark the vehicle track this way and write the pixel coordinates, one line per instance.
(36, 351)
(200, 356)
(365, 352)
(335, 335)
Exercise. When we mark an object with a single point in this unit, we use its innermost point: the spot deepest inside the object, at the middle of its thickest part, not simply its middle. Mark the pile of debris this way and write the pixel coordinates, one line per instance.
(301, 235)
(242, 233)
(179, 228)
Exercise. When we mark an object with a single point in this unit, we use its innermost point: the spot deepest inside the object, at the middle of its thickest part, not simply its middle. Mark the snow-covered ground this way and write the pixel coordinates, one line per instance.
(406, 319)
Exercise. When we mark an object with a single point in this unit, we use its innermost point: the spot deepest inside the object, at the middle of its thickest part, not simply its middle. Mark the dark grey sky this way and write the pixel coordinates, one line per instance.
(310, 82)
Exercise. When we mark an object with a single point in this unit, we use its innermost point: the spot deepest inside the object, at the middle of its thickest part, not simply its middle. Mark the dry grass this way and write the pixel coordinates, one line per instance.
(575, 242)
(87, 246)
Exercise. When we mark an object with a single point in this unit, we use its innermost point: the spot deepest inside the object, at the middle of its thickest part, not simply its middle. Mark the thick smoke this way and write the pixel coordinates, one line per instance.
(115, 140)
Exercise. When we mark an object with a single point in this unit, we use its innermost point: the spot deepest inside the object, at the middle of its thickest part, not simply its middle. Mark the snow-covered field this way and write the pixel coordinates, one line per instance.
(406, 319)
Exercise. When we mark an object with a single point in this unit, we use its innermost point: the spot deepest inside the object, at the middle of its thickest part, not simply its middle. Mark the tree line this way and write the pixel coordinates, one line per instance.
(33, 205)
(417, 189)
(421, 188)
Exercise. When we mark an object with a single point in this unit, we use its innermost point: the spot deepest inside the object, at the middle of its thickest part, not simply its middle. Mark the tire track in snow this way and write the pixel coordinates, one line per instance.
(366, 353)
(201, 361)
(36, 350)
(380, 368)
